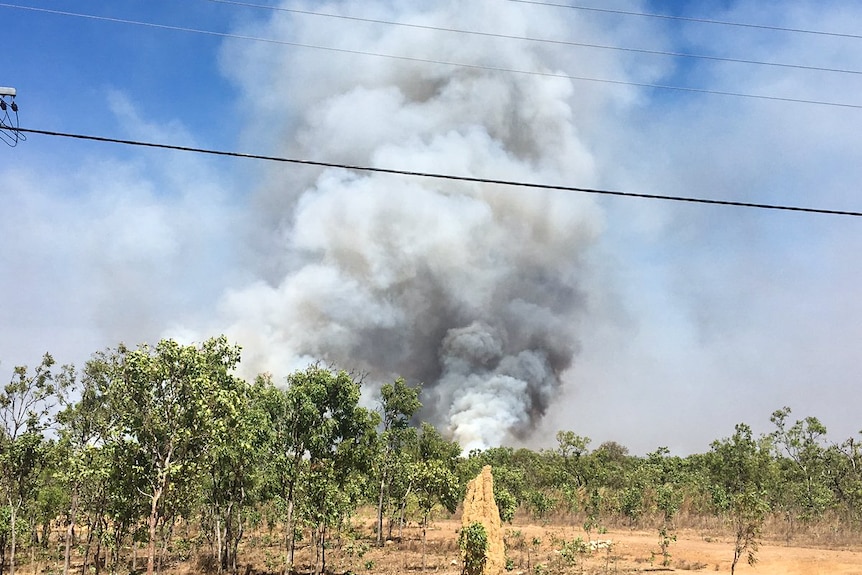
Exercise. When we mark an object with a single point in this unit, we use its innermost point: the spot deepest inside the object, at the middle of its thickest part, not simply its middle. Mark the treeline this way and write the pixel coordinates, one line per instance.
(165, 450)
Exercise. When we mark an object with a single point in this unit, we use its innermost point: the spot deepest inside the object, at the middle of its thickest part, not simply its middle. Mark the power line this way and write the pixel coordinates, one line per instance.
(691, 19)
(439, 176)
(443, 62)
(540, 40)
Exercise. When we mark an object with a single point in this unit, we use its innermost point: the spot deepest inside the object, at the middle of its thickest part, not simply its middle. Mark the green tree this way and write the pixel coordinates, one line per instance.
(740, 471)
(435, 484)
(321, 436)
(234, 465)
(844, 470)
(473, 541)
(339, 475)
(573, 450)
(25, 406)
(434, 479)
(802, 445)
(665, 479)
(167, 400)
(398, 403)
(84, 428)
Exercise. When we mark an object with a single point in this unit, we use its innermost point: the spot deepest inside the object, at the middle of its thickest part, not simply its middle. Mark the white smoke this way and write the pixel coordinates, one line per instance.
(473, 289)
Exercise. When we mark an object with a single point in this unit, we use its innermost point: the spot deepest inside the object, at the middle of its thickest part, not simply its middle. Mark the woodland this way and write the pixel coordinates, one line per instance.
(157, 456)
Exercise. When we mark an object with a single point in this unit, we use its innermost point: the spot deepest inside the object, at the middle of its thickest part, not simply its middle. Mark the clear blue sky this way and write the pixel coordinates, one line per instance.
(688, 318)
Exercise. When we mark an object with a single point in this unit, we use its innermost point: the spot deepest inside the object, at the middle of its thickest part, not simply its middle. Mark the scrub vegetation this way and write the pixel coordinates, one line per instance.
(160, 459)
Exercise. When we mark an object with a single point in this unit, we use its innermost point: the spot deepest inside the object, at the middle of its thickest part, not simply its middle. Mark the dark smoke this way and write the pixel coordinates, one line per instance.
(472, 289)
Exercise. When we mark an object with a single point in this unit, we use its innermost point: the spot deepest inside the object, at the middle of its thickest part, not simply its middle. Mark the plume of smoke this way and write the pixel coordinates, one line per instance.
(472, 289)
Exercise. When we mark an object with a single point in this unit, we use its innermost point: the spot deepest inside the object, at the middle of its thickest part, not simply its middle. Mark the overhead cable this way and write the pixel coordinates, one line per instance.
(539, 40)
(443, 62)
(691, 19)
(439, 176)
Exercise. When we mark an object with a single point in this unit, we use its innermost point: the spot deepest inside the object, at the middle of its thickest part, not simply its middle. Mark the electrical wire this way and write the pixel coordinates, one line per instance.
(9, 134)
(540, 40)
(691, 19)
(439, 176)
(443, 62)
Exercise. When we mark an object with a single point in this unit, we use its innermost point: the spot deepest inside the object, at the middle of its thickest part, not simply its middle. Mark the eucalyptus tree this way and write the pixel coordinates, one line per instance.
(666, 480)
(802, 449)
(168, 399)
(321, 436)
(844, 465)
(434, 478)
(234, 465)
(340, 475)
(741, 470)
(25, 406)
(398, 403)
(84, 427)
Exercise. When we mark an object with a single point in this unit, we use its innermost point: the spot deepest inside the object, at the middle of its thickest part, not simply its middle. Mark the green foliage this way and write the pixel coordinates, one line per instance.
(572, 552)
(741, 471)
(398, 403)
(806, 478)
(506, 504)
(473, 542)
(143, 438)
(540, 504)
(631, 502)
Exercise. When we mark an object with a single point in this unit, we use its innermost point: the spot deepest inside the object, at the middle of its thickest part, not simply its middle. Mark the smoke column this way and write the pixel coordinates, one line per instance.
(474, 290)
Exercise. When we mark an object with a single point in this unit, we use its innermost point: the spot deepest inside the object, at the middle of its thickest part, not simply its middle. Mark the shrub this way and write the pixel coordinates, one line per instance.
(473, 541)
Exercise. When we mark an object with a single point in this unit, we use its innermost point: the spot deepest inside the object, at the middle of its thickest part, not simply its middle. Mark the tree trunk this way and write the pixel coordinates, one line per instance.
(322, 549)
(235, 544)
(97, 554)
(151, 524)
(86, 555)
(403, 510)
(218, 543)
(424, 539)
(13, 513)
(289, 538)
(380, 510)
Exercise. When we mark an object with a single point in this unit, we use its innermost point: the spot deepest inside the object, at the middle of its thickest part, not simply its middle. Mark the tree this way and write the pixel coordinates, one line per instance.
(802, 444)
(435, 483)
(573, 448)
(665, 478)
(844, 470)
(167, 400)
(322, 436)
(25, 405)
(473, 541)
(84, 428)
(398, 403)
(233, 465)
(740, 469)
(434, 478)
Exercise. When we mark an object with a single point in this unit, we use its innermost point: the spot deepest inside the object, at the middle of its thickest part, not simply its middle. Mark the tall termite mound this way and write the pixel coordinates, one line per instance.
(479, 506)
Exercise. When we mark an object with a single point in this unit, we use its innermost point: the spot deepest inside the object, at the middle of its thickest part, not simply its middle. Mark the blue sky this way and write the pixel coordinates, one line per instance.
(687, 320)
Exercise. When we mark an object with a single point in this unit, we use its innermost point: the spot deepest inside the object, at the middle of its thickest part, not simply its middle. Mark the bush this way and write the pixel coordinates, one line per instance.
(473, 541)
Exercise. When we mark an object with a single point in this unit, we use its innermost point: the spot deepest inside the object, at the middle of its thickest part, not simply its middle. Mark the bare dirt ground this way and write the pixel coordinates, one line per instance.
(631, 552)
(532, 549)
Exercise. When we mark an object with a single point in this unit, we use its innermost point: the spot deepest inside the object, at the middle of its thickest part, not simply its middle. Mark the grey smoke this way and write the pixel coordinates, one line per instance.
(474, 290)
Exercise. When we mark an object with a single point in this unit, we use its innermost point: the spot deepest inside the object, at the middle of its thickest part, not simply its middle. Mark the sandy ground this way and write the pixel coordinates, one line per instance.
(631, 553)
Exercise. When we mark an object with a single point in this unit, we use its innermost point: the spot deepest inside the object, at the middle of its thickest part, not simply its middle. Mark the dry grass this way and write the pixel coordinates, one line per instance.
(702, 546)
